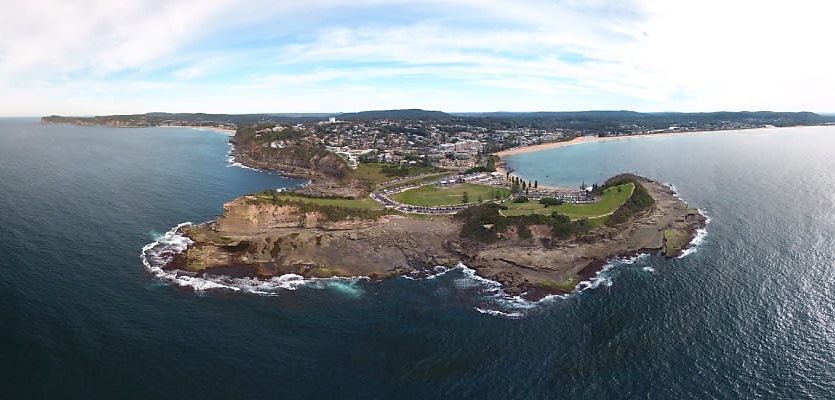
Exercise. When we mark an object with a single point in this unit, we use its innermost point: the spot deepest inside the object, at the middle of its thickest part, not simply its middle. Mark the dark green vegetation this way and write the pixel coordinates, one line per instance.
(605, 123)
(190, 119)
(639, 201)
(433, 196)
(408, 114)
(623, 198)
(260, 133)
(550, 201)
(485, 222)
(333, 209)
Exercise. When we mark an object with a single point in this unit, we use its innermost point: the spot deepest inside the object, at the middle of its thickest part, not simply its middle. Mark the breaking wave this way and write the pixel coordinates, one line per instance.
(487, 296)
(231, 162)
(698, 238)
(160, 253)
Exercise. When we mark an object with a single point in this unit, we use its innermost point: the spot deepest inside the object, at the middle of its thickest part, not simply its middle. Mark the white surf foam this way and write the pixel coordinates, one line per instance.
(495, 301)
(698, 238)
(231, 162)
(497, 313)
(604, 277)
(159, 253)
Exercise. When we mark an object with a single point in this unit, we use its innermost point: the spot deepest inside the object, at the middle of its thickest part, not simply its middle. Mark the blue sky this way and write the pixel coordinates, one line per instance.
(90, 57)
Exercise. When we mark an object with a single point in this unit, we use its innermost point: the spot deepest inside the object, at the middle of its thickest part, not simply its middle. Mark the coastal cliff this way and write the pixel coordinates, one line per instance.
(329, 174)
(265, 239)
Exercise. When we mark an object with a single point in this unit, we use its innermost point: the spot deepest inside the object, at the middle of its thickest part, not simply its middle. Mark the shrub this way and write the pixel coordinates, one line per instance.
(550, 201)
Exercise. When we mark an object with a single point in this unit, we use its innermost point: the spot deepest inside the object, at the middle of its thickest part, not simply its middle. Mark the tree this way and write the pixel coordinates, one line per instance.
(465, 198)
(535, 184)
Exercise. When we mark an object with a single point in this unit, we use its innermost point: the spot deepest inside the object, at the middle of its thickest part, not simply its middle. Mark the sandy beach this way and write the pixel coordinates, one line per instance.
(587, 139)
(230, 132)
(594, 139)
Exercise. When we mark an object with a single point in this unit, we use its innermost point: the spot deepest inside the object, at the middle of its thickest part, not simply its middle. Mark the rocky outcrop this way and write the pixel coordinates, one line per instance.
(249, 216)
(269, 240)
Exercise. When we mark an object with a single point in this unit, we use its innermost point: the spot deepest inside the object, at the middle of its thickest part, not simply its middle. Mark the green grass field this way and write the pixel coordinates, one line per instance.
(610, 201)
(425, 179)
(374, 172)
(371, 173)
(432, 196)
(362, 203)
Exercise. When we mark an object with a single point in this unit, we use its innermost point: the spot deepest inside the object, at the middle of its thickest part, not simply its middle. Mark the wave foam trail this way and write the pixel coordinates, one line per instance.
(493, 300)
(606, 275)
(159, 254)
(698, 239)
(231, 162)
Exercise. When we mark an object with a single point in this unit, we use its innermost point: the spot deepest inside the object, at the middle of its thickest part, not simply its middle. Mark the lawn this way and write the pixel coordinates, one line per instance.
(376, 174)
(610, 201)
(432, 196)
(371, 173)
(425, 179)
(363, 203)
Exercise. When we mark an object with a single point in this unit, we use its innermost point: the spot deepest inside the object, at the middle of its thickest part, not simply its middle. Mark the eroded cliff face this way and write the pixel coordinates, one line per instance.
(268, 240)
(247, 216)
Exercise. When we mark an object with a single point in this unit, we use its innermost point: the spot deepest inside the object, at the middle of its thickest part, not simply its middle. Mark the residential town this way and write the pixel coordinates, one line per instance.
(441, 144)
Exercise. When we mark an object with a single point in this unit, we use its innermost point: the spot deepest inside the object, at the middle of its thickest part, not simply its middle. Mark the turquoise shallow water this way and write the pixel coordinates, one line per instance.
(747, 315)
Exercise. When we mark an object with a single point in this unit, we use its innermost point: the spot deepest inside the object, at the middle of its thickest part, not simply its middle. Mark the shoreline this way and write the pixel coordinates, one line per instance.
(228, 132)
(501, 166)
(595, 139)
(268, 242)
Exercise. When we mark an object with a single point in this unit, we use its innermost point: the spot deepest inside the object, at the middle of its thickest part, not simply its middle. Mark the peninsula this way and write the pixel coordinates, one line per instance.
(381, 220)
(376, 207)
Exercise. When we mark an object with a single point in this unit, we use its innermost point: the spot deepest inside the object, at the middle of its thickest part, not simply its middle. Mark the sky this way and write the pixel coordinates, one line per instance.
(93, 57)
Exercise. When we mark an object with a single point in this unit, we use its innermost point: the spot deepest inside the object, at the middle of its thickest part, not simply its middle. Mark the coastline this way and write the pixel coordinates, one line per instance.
(228, 132)
(272, 241)
(597, 139)
(267, 241)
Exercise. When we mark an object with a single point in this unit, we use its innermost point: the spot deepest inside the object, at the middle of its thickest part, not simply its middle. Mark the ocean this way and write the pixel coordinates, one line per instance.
(748, 313)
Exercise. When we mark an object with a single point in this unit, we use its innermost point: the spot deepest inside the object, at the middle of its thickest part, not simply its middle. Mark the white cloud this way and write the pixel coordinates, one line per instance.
(93, 57)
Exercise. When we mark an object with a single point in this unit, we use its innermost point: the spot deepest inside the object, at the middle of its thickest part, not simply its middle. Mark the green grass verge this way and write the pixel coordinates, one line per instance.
(565, 285)
(362, 203)
(612, 198)
(376, 174)
(432, 196)
(371, 173)
(675, 240)
(425, 179)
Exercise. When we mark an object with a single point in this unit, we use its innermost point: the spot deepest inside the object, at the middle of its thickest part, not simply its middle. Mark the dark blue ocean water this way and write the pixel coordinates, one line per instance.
(750, 314)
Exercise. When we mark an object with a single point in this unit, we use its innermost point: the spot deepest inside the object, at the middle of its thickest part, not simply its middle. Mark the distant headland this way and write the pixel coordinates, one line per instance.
(401, 192)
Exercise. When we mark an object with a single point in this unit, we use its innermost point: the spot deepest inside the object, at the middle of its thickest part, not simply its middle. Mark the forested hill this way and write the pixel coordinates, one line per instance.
(577, 122)
(627, 122)
(409, 114)
(186, 119)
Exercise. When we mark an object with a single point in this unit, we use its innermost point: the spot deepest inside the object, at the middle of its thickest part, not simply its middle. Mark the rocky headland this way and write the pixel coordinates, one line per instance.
(264, 236)
(256, 237)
